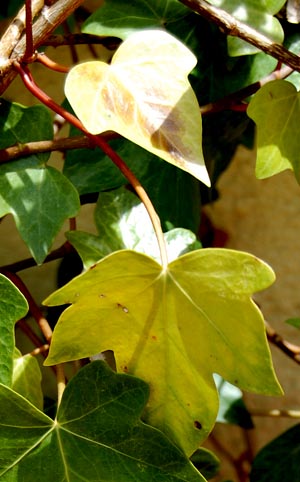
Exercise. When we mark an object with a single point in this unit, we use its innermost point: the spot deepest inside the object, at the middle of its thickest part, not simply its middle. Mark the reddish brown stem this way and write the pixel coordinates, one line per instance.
(43, 59)
(29, 38)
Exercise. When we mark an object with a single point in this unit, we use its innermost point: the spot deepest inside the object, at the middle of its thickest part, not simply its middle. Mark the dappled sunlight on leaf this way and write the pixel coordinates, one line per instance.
(97, 435)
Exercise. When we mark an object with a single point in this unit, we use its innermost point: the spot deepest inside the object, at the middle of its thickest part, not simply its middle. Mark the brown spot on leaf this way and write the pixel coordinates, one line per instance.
(197, 425)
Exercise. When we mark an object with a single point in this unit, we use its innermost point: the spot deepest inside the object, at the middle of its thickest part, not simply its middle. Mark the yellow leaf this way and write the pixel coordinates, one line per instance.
(144, 95)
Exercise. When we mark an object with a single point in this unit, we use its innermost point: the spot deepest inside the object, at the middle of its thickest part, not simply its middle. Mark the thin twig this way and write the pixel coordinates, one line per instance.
(110, 43)
(231, 26)
(58, 253)
(292, 351)
(274, 413)
(50, 64)
(41, 350)
(61, 144)
(235, 98)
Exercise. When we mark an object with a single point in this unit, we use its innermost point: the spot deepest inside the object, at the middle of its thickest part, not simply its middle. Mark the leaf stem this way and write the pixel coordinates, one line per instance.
(292, 351)
(107, 149)
(29, 38)
(61, 382)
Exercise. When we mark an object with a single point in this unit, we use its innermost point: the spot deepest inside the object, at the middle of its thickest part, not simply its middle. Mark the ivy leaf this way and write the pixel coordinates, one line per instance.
(39, 197)
(206, 462)
(123, 223)
(173, 328)
(275, 109)
(278, 460)
(97, 435)
(13, 306)
(118, 19)
(145, 96)
(256, 14)
(27, 378)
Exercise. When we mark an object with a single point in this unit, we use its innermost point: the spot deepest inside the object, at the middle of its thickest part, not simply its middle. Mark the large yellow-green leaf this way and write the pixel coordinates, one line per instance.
(145, 96)
(275, 109)
(172, 328)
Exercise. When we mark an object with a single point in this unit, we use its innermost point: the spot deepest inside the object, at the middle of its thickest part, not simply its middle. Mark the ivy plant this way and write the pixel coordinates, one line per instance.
(156, 333)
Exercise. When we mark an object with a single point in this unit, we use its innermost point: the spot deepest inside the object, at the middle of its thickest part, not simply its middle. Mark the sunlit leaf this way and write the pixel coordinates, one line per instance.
(257, 14)
(275, 109)
(172, 328)
(13, 307)
(278, 461)
(27, 378)
(120, 19)
(123, 223)
(97, 437)
(145, 96)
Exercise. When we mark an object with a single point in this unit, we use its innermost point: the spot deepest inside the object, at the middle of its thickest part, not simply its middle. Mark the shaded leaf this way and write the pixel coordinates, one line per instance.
(13, 307)
(27, 378)
(256, 14)
(39, 197)
(279, 460)
(206, 462)
(97, 435)
(144, 96)
(275, 109)
(116, 18)
(172, 328)
(123, 222)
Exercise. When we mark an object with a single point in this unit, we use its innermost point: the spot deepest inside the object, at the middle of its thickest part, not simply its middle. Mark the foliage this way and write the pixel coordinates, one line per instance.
(173, 323)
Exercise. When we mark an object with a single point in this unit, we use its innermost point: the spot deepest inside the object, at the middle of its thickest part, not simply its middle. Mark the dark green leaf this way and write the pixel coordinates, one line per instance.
(279, 460)
(206, 462)
(98, 435)
(13, 306)
(119, 19)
